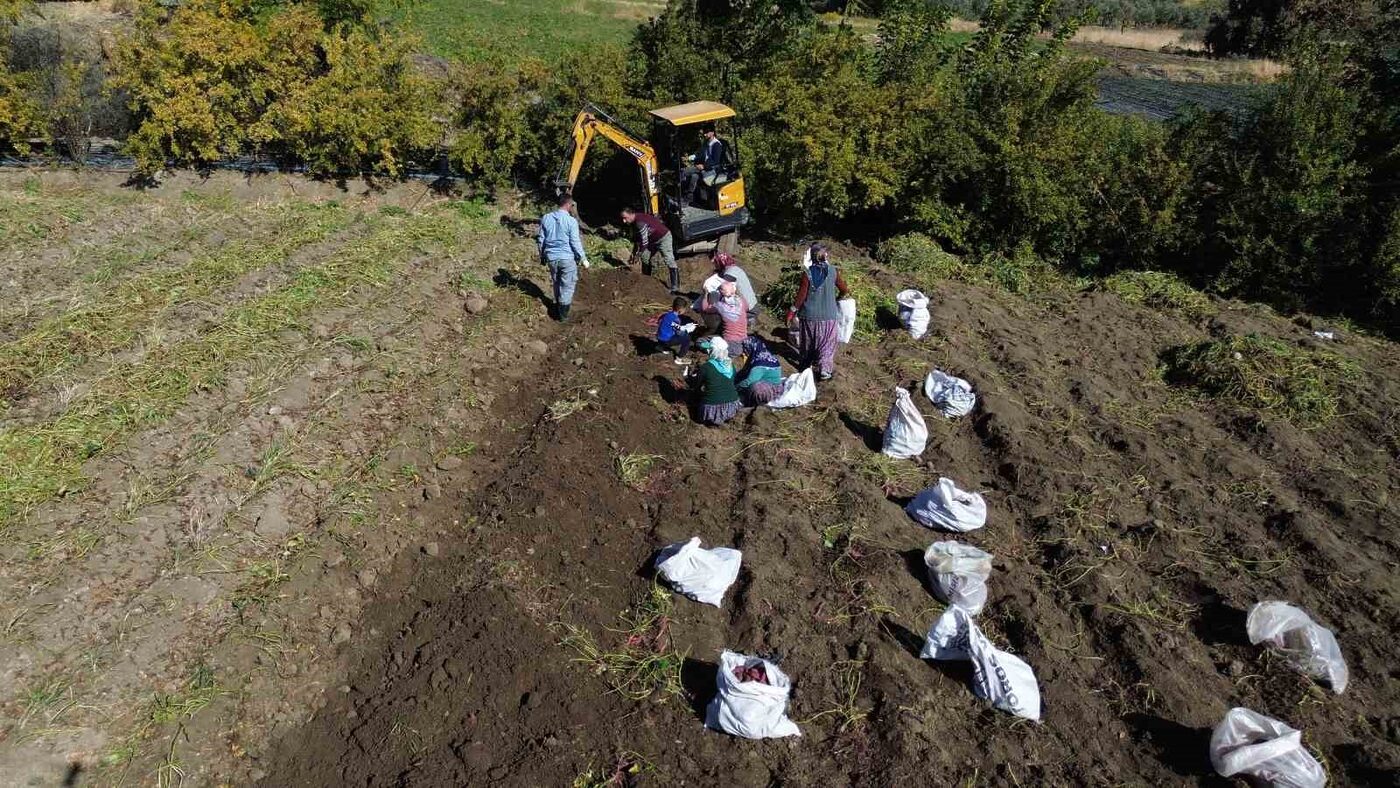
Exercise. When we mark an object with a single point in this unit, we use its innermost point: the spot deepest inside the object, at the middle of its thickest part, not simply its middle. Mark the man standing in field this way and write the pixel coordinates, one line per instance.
(653, 238)
(561, 249)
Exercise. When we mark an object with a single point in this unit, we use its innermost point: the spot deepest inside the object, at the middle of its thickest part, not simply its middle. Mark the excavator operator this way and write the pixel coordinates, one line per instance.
(706, 165)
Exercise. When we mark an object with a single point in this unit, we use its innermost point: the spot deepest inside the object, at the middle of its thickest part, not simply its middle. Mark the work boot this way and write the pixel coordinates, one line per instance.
(675, 274)
(564, 313)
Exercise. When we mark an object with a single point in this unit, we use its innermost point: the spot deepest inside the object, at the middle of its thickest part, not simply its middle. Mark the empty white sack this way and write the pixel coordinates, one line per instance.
(1309, 646)
(1002, 678)
(1264, 749)
(945, 506)
(703, 575)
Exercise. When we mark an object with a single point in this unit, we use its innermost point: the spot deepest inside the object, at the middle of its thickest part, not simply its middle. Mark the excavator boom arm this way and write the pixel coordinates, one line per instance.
(592, 122)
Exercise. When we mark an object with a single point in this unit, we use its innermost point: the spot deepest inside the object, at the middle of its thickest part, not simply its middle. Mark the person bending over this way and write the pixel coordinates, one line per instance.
(653, 238)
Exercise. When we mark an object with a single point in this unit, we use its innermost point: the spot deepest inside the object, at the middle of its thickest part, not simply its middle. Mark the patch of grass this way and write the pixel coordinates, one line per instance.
(647, 664)
(68, 544)
(47, 699)
(117, 319)
(847, 712)
(894, 477)
(634, 470)
(1158, 290)
(1158, 610)
(626, 768)
(41, 460)
(918, 254)
(1300, 385)
(200, 690)
(568, 406)
(473, 30)
(849, 542)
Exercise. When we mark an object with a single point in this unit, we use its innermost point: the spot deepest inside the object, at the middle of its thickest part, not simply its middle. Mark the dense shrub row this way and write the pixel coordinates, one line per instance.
(1157, 13)
(996, 147)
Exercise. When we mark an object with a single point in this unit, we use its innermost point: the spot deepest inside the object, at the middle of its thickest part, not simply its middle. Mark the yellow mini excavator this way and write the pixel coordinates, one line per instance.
(717, 209)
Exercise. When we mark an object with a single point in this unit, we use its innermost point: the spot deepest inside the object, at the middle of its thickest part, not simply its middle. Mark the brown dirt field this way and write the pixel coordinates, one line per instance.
(356, 556)
(1133, 529)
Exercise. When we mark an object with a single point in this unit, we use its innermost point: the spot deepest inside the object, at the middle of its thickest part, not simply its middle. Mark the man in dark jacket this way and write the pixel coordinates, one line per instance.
(653, 238)
(708, 163)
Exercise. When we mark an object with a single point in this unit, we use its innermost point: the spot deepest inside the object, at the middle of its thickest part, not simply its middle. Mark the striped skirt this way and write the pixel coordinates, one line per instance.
(718, 414)
(762, 393)
(817, 344)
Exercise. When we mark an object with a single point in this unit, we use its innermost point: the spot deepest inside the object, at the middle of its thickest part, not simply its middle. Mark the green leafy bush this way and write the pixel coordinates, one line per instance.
(20, 115)
(1158, 290)
(217, 78)
(916, 253)
(362, 109)
(1303, 386)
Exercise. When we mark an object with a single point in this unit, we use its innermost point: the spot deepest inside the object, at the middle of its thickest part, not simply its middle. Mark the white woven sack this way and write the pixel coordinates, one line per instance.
(913, 312)
(798, 390)
(846, 327)
(906, 435)
(1002, 678)
(750, 709)
(952, 396)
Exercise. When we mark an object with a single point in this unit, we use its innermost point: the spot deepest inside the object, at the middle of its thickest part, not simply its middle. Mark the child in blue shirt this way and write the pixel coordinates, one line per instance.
(673, 331)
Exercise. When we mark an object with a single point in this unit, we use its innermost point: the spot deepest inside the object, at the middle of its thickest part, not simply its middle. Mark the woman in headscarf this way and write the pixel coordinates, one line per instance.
(727, 267)
(761, 380)
(815, 305)
(733, 312)
(714, 383)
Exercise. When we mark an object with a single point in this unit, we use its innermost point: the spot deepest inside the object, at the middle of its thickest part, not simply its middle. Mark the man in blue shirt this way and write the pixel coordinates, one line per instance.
(561, 249)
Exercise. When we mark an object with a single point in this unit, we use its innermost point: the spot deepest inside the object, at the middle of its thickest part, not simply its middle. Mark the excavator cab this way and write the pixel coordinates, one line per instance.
(716, 207)
(704, 202)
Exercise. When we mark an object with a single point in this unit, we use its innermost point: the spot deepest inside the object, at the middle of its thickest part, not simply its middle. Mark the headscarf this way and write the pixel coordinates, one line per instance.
(820, 266)
(762, 366)
(719, 356)
(758, 353)
(723, 260)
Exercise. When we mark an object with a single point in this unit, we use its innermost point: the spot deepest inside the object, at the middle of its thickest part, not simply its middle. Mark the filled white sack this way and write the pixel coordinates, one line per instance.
(913, 312)
(959, 574)
(846, 328)
(945, 506)
(798, 390)
(952, 396)
(750, 709)
(1248, 743)
(1308, 646)
(906, 435)
(1002, 678)
(703, 575)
